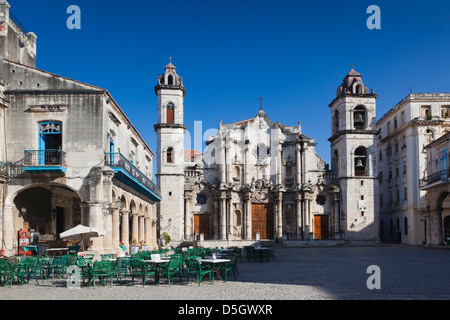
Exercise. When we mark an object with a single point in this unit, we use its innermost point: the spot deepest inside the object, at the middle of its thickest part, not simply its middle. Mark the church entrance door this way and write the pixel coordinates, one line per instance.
(262, 220)
(321, 227)
(201, 225)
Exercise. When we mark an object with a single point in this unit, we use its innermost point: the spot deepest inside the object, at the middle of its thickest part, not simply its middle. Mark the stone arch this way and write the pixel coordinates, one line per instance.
(360, 161)
(442, 205)
(170, 155)
(147, 211)
(358, 87)
(115, 196)
(359, 117)
(170, 80)
(125, 202)
(140, 209)
(133, 206)
(41, 209)
(336, 121)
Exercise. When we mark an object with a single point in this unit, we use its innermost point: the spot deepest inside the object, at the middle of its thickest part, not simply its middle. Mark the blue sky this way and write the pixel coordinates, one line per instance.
(294, 53)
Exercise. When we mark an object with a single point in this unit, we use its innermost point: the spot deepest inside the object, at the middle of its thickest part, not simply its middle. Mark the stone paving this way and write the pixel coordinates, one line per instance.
(326, 273)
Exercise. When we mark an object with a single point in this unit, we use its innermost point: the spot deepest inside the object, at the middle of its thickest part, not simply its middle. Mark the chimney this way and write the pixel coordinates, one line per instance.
(4, 11)
(32, 50)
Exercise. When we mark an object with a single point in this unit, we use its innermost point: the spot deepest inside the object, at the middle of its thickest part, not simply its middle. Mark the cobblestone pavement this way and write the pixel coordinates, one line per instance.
(331, 273)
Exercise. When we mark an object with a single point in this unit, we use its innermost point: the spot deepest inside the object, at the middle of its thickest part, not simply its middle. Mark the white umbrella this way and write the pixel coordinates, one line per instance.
(82, 233)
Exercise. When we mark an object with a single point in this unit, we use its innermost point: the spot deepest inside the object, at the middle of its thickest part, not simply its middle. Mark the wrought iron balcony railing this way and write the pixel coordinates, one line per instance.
(44, 158)
(4, 169)
(39, 161)
(440, 176)
(118, 160)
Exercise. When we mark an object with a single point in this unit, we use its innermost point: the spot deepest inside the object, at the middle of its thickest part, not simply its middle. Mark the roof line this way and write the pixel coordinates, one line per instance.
(105, 91)
(56, 75)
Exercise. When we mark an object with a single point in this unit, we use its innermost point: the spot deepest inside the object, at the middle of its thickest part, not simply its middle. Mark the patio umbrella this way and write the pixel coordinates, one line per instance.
(82, 233)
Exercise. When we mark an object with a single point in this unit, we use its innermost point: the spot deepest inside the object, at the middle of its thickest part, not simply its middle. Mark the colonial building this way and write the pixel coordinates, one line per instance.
(260, 179)
(73, 157)
(435, 217)
(404, 131)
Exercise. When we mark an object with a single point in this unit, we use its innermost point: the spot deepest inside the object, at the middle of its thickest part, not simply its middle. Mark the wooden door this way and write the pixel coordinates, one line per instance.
(170, 114)
(262, 220)
(321, 227)
(201, 225)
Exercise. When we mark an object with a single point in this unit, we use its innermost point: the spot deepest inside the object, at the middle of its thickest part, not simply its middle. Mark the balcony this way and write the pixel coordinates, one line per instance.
(4, 170)
(39, 161)
(434, 180)
(127, 173)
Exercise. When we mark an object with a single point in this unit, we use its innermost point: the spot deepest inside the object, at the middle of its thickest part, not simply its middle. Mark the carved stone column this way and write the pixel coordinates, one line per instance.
(134, 226)
(223, 217)
(141, 230)
(279, 164)
(147, 230)
(299, 222)
(298, 166)
(125, 228)
(279, 215)
(107, 239)
(222, 165)
(188, 229)
(229, 162)
(337, 214)
(246, 165)
(307, 216)
(115, 227)
(248, 216)
(230, 219)
(96, 221)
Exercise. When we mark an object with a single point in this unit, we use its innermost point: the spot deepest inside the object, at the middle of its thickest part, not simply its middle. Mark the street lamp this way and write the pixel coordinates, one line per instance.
(119, 203)
(23, 212)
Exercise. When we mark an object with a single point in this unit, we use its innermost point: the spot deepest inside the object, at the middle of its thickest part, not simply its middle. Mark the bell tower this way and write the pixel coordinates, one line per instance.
(353, 157)
(170, 131)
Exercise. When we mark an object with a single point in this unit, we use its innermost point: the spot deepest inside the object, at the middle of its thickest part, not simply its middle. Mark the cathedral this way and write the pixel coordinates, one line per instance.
(262, 180)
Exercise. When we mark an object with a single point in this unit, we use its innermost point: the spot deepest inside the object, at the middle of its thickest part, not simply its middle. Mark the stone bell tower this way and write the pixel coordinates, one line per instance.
(353, 154)
(170, 131)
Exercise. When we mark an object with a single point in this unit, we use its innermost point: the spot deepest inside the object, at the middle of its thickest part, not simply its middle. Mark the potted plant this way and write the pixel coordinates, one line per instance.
(144, 246)
(134, 246)
(166, 238)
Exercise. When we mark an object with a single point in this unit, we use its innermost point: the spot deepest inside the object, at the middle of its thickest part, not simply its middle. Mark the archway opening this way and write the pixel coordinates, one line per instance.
(47, 211)
(445, 216)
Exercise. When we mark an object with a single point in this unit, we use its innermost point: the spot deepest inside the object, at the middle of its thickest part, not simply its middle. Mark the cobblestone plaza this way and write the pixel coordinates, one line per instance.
(327, 273)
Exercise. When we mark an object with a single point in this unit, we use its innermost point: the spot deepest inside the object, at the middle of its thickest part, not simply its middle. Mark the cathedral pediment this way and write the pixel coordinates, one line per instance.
(261, 184)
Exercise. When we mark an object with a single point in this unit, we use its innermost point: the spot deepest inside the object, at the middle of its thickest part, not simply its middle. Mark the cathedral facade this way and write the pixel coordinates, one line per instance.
(262, 180)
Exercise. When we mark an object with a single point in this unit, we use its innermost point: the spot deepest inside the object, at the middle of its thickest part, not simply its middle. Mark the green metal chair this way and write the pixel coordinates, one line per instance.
(125, 266)
(41, 270)
(29, 268)
(46, 266)
(59, 267)
(238, 252)
(17, 272)
(118, 268)
(172, 268)
(193, 266)
(102, 270)
(140, 269)
(5, 273)
(106, 256)
(229, 266)
(86, 266)
(251, 253)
